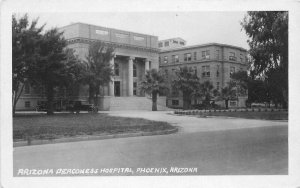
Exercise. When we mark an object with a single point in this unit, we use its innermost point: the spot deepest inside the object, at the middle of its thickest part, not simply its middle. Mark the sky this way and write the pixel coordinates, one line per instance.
(193, 26)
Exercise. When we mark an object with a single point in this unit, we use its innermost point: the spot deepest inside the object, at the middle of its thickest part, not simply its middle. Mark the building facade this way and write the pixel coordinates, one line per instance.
(213, 62)
(134, 54)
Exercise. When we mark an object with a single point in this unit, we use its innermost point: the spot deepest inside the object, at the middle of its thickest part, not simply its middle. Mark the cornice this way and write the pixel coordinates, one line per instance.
(115, 45)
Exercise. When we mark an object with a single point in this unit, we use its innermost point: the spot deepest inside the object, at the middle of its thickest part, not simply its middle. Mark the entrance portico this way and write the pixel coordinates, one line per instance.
(128, 71)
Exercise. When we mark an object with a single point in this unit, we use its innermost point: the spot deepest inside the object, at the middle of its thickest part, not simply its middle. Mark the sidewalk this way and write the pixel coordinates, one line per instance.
(189, 124)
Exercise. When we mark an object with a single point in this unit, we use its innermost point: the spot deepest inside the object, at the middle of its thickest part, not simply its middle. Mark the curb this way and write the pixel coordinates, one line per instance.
(199, 112)
(95, 137)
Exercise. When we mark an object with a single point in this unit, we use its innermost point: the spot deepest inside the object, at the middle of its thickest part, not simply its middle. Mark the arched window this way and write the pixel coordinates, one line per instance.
(117, 69)
(134, 71)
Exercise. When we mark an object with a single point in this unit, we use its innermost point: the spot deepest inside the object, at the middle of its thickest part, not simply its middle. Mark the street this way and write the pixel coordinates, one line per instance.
(215, 146)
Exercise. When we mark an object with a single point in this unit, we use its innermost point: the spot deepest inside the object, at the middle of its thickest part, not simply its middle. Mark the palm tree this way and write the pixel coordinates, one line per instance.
(98, 68)
(228, 93)
(152, 84)
(187, 82)
(206, 91)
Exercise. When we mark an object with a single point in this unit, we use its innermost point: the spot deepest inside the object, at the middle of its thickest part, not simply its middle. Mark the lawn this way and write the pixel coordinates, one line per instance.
(41, 126)
(283, 115)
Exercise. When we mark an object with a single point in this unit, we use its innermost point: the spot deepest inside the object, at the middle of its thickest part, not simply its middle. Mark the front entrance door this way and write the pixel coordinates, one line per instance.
(117, 88)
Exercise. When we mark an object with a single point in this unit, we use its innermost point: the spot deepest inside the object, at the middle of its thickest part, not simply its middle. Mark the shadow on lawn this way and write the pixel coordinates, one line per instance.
(37, 126)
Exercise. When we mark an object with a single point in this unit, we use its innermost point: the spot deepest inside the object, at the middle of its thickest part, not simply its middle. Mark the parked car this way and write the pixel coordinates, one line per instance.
(77, 106)
(42, 106)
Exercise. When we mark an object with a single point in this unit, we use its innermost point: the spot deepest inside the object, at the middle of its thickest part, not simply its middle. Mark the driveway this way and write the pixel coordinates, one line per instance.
(191, 124)
(212, 146)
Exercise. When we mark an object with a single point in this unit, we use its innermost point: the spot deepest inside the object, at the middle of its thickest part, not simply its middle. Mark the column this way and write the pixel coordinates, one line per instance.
(146, 65)
(130, 76)
(111, 83)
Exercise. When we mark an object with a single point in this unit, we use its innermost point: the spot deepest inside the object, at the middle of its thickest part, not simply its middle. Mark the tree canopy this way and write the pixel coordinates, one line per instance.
(268, 41)
(153, 83)
(188, 83)
(50, 70)
(26, 38)
(98, 68)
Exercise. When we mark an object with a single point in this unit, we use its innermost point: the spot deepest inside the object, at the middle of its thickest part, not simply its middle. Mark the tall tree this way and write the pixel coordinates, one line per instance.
(187, 82)
(153, 83)
(25, 41)
(268, 33)
(206, 91)
(228, 93)
(76, 72)
(256, 88)
(50, 70)
(98, 68)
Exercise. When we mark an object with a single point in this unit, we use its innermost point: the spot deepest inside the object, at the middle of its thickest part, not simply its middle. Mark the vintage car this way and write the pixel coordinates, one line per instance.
(77, 106)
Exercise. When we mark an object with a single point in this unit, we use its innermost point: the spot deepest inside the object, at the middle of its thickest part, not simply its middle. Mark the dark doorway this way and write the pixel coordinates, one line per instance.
(117, 89)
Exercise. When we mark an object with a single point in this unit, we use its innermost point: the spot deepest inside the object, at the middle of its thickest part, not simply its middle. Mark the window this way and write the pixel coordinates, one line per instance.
(134, 88)
(117, 69)
(182, 43)
(205, 54)
(138, 38)
(241, 57)
(175, 102)
(187, 57)
(159, 59)
(218, 86)
(232, 56)
(175, 41)
(218, 70)
(232, 103)
(217, 54)
(121, 35)
(27, 104)
(232, 70)
(160, 45)
(134, 71)
(167, 43)
(101, 32)
(27, 88)
(195, 69)
(175, 59)
(166, 59)
(150, 65)
(205, 71)
(195, 55)
(190, 69)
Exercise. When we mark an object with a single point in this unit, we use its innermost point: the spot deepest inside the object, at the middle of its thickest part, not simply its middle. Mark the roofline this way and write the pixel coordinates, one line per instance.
(106, 28)
(172, 39)
(202, 45)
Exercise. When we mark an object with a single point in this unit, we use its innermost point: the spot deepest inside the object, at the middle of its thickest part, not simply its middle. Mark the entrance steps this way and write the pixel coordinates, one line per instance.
(136, 103)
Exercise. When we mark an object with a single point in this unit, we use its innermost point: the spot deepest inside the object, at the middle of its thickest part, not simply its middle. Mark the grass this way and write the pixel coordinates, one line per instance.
(253, 115)
(41, 126)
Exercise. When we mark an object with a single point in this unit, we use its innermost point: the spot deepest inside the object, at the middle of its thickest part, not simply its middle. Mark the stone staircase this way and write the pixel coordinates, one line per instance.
(136, 103)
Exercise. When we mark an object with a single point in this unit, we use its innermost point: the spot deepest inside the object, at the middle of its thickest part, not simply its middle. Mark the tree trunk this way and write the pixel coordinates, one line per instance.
(186, 101)
(226, 103)
(154, 101)
(285, 99)
(16, 97)
(91, 94)
(50, 99)
(96, 96)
